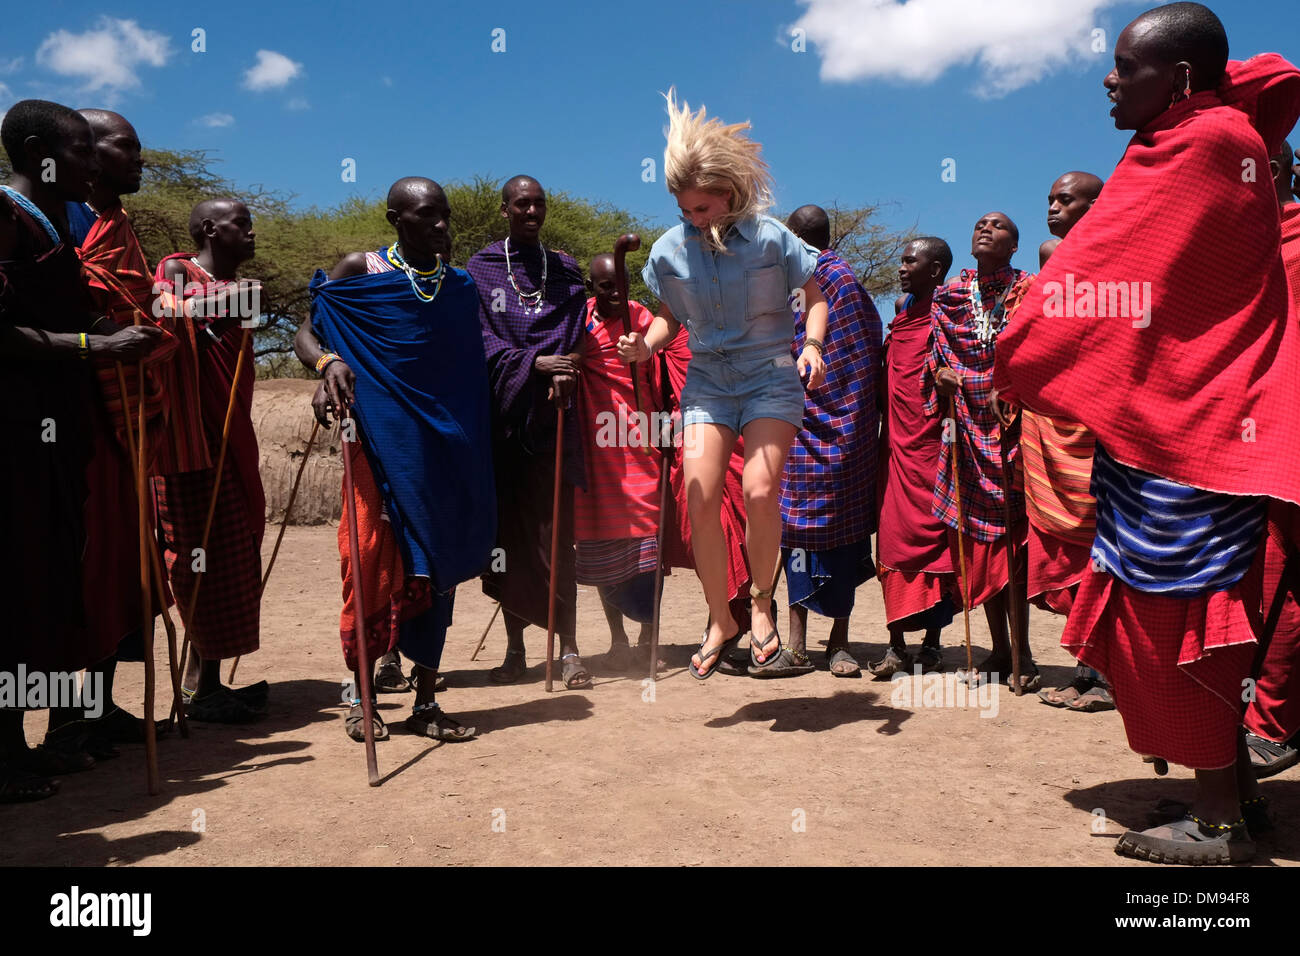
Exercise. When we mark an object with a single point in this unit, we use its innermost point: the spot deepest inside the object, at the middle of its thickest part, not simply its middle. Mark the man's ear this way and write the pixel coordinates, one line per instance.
(391, 216)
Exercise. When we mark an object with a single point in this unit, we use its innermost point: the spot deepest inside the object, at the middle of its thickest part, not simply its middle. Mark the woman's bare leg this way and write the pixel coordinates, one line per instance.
(704, 467)
(767, 444)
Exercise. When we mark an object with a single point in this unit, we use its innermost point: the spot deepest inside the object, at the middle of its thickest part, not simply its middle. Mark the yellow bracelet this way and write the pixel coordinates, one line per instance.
(83, 347)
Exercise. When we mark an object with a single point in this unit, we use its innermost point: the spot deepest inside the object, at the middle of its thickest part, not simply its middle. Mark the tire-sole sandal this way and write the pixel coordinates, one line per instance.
(45, 761)
(930, 658)
(1064, 696)
(19, 786)
(838, 656)
(891, 664)
(1094, 700)
(221, 707)
(514, 667)
(1273, 756)
(354, 724)
(786, 663)
(433, 722)
(1189, 842)
(389, 678)
(1254, 811)
(574, 673)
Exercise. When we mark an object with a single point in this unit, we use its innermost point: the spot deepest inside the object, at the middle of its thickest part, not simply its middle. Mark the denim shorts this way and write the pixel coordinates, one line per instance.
(732, 391)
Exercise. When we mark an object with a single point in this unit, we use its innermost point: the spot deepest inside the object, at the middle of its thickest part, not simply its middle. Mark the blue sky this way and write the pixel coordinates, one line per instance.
(1009, 89)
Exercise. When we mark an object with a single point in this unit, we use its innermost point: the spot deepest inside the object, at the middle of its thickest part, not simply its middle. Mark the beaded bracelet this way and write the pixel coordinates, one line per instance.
(323, 362)
(815, 343)
(83, 346)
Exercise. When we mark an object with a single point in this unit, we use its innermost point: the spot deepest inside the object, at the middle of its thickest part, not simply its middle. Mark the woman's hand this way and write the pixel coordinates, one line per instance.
(633, 348)
(812, 366)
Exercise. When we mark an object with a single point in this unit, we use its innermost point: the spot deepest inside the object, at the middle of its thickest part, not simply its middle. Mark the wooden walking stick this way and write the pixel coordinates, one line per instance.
(146, 594)
(284, 523)
(665, 482)
(187, 618)
(362, 673)
(555, 542)
(155, 562)
(961, 547)
(490, 622)
(1013, 603)
(628, 242)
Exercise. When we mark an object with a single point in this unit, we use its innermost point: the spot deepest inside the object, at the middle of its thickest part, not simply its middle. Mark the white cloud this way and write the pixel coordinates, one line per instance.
(1013, 42)
(107, 56)
(11, 66)
(216, 120)
(271, 71)
(297, 103)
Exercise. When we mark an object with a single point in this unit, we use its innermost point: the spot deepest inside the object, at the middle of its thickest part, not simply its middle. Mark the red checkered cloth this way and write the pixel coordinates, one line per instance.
(986, 563)
(1176, 666)
(908, 593)
(1204, 394)
(1055, 568)
(828, 491)
(979, 437)
(227, 619)
(1291, 249)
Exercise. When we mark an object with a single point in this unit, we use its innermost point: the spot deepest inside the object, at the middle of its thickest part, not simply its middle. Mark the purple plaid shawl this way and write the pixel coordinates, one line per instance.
(828, 495)
(955, 345)
(513, 339)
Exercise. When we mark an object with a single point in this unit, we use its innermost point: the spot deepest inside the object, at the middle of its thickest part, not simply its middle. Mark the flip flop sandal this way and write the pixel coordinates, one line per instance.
(1268, 757)
(930, 658)
(1189, 842)
(389, 679)
(1253, 811)
(1095, 700)
(20, 786)
(221, 707)
(355, 725)
(512, 669)
(891, 664)
(574, 673)
(787, 663)
(47, 762)
(430, 721)
(1063, 696)
(839, 656)
(699, 674)
(756, 646)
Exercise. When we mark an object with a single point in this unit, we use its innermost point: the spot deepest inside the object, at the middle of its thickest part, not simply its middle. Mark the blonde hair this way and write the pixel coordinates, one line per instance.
(710, 155)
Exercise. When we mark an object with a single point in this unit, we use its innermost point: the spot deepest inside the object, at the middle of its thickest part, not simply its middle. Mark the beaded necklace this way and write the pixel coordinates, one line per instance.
(416, 276)
(985, 329)
(530, 301)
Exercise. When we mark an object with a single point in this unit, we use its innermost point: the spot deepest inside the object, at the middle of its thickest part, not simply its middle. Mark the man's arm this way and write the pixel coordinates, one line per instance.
(338, 380)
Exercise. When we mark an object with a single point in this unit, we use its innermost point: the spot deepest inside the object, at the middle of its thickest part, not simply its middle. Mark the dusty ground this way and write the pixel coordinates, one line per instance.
(814, 770)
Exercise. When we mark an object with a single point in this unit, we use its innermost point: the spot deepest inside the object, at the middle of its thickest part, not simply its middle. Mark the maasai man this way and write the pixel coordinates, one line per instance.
(1057, 458)
(225, 622)
(1069, 198)
(914, 561)
(967, 316)
(396, 333)
(616, 516)
(50, 338)
(1273, 715)
(1191, 400)
(533, 305)
(121, 285)
(828, 491)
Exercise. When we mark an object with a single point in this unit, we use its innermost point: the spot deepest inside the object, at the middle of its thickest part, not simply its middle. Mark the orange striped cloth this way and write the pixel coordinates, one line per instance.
(121, 285)
(1057, 456)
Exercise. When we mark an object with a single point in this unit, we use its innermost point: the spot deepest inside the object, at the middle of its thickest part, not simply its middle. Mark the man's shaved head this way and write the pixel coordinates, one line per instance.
(1070, 197)
(811, 224)
(104, 121)
(412, 190)
(936, 249)
(213, 211)
(121, 166)
(602, 264)
(1178, 32)
(513, 183)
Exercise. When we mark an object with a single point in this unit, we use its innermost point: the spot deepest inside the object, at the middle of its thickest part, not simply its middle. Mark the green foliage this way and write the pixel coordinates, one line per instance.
(293, 243)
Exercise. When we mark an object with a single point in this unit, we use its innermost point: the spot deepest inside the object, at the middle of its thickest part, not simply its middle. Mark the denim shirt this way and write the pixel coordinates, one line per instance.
(736, 305)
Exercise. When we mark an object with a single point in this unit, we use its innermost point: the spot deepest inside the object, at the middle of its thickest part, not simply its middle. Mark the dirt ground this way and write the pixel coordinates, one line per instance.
(812, 770)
